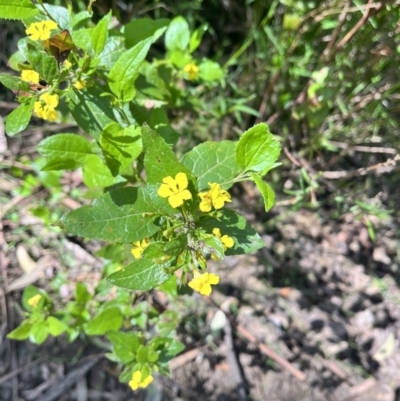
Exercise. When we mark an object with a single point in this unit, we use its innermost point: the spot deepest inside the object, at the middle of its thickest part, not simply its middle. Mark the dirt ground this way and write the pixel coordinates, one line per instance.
(315, 315)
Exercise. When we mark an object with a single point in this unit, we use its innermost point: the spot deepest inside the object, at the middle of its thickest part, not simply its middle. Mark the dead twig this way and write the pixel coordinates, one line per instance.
(10, 375)
(298, 374)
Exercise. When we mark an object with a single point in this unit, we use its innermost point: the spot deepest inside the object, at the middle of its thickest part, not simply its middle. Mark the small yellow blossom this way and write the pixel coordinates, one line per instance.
(30, 76)
(192, 71)
(227, 241)
(34, 301)
(216, 197)
(67, 64)
(175, 190)
(45, 107)
(139, 246)
(80, 84)
(137, 382)
(202, 282)
(41, 30)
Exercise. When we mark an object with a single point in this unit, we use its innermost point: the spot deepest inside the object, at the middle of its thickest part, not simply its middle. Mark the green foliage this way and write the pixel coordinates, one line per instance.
(17, 9)
(158, 208)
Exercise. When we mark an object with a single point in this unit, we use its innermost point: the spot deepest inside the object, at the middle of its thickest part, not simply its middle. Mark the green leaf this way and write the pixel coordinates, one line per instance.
(176, 246)
(236, 226)
(196, 37)
(125, 345)
(177, 36)
(120, 146)
(17, 9)
(257, 149)
(210, 71)
(91, 111)
(142, 354)
(82, 293)
(78, 19)
(143, 274)
(267, 192)
(21, 332)
(13, 82)
(143, 28)
(217, 246)
(113, 49)
(123, 74)
(55, 326)
(213, 162)
(82, 38)
(100, 33)
(97, 174)
(107, 320)
(59, 14)
(123, 215)
(64, 151)
(29, 292)
(43, 64)
(160, 161)
(39, 332)
(19, 118)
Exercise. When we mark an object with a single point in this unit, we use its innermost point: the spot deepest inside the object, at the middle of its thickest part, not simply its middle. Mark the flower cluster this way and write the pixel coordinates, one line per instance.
(138, 382)
(227, 241)
(138, 247)
(41, 30)
(215, 197)
(45, 107)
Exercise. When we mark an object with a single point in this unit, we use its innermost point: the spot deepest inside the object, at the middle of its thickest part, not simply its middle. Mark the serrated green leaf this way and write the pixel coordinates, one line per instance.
(143, 28)
(213, 162)
(236, 226)
(64, 151)
(123, 215)
(257, 149)
(124, 72)
(21, 332)
(210, 71)
(125, 345)
(19, 118)
(267, 192)
(195, 38)
(100, 33)
(45, 65)
(107, 320)
(55, 326)
(120, 146)
(160, 161)
(97, 174)
(39, 332)
(91, 111)
(17, 9)
(143, 274)
(177, 36)
(13, 82)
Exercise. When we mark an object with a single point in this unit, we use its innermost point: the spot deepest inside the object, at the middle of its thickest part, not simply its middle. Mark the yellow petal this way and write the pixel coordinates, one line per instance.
(186, 194)
(50, 100)
(227, 241)
(175, 200)
(212, 278)
(30, 76)
(51, 114)
(146, 381)
(171, 183)
(164, 191)
(217, 232)
(50, 25)
(181, 181)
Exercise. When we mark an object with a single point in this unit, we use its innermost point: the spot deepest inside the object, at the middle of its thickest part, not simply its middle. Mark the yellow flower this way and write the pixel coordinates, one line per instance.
(175, 190)
(45, 107)
(216, 197)
(34, 301)
(227, 241)
(41, 30)
(67, 64)
(192, 71)
(137, 381)
(202, 282)
(139, 246)
(80, 84)
(30, 76)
